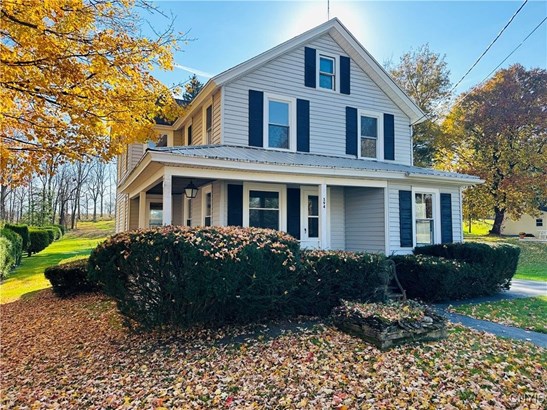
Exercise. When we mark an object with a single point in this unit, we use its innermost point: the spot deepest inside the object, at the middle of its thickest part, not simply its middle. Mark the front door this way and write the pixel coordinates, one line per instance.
(309, 232)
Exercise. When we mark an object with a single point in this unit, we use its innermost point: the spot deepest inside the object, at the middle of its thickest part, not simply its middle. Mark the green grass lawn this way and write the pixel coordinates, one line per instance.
(479, 227)
(29, 276)
(527, 313)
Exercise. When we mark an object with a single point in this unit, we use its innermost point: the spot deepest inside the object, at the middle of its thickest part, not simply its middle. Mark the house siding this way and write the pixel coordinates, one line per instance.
(122, 204)
(133, 213)
(178, 217)
(217, 129)
(337, 218)
(285, 76)
(393, 198)
(364, 208)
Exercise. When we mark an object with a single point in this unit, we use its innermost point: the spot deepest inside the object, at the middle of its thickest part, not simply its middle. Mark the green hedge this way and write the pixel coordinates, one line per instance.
(50, 234)
(457, 271)
(39, 240)
(61, 228)
(7, 261)
(57, 233)
(329, 276)
(208, 275)
(23, 231)
(16, 244)
(70, 279)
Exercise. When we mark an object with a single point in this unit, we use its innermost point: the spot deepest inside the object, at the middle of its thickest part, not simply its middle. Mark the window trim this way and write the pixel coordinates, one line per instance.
(207, 189)
(205, 139)
(436, 212)
(281, 189)
(292, 120)
(336, 58)
(380, 138)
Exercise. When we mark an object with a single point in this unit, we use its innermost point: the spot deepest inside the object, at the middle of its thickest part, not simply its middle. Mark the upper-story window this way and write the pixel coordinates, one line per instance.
(209, 125)
(160, 142)
(189, 134)
(280, 130)
(370, 135)
(327, 72)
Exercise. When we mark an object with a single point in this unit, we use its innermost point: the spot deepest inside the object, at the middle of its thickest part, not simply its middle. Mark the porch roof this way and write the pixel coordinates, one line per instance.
(232, 153)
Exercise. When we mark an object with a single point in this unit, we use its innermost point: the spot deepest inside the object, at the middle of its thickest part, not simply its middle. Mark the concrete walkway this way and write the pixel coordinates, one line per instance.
(519, 289)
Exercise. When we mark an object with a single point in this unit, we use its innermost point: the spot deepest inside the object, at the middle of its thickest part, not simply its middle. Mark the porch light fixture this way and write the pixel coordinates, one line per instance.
(191, 190)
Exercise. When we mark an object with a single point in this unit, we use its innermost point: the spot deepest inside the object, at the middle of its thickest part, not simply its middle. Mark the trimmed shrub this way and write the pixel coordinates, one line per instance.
(39, 240)
(57, 233)
(206, 275)
(61, 228)
(7, 261)
(23, 231)
(50, 234)
(457, 271)
(16, 242)
(328, 276)
(70, 278)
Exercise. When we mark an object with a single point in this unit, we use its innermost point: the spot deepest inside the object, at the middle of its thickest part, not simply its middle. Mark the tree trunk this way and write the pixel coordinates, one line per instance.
(3, 197)
(498, 220)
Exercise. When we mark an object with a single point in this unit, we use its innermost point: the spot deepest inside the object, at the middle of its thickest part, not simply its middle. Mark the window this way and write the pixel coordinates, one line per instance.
(368, 136)
(539, 222)
(327, 72)
(313, 216)
(188, 211)
(209, 125)
(278, 124)
(156, 214)
(161, 141)
(207, 206)
(264, 209)
(190, 134)
(425, 224)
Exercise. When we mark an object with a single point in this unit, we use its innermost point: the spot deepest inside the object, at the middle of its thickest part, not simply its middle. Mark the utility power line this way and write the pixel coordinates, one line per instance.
(481, 56)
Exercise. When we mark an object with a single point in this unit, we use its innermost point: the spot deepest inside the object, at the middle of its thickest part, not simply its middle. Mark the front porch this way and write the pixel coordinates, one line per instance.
(324, 213)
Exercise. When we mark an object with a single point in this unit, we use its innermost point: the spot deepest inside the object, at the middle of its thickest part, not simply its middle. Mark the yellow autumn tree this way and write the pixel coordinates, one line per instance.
(75, 81)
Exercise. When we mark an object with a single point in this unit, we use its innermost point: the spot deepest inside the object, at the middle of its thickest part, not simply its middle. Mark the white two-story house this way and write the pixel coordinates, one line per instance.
(313, 138)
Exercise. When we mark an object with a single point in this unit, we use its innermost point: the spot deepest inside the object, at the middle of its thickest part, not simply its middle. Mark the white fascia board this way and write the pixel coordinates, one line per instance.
(445, 179)
(135, 172)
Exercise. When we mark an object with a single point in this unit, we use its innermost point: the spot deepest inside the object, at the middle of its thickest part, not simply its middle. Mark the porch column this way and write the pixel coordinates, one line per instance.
(324, 234)
(167, 199)
(142, 210)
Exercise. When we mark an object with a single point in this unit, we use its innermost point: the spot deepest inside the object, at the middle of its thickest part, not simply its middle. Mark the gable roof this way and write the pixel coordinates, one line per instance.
(347, 42)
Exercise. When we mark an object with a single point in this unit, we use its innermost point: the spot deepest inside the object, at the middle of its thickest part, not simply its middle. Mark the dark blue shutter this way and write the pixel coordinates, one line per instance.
(293, 212)
(256, 118)
(389, 137)
(344, 75)
(405, 219)
(303, 125)
(235, 205)
(309, 67)
(351, 131)
(446, 218)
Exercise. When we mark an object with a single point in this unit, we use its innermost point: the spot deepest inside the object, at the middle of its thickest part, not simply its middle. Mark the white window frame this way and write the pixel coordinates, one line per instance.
(436, 212)
(336, 59)
(279, 188)
(292, 120)
(187, 214)
(208, 189)
(380, 136)
(204, 139)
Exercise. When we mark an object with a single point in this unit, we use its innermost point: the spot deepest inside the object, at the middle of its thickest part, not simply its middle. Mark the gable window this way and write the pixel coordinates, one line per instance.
(280, 129)
(190, 134)
(264, 209)
(370, 135)
(207, 206)
(327, 72)
(425, 223)
(539, 222)
(209, 124)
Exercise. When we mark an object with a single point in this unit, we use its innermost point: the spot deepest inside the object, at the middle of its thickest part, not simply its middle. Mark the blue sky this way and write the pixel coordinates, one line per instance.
(229, 32)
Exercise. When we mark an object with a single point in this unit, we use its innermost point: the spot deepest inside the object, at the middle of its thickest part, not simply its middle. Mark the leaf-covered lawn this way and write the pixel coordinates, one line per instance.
(526, 313)
(75, 354)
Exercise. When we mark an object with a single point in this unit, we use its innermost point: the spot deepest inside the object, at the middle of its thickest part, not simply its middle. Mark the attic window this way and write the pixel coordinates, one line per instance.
(327, 72)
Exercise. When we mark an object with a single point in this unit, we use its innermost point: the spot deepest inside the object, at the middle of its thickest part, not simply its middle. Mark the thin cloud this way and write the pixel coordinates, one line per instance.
(193, 71)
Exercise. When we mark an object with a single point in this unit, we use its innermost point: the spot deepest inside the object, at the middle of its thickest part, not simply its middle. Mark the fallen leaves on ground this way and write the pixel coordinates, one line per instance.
(75, 353)
(526, 313)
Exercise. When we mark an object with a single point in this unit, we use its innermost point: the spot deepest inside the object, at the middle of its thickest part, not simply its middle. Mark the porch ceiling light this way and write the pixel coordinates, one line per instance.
(191, 190)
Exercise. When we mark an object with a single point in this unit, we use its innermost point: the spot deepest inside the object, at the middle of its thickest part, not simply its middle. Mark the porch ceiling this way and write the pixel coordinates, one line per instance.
(178, 185)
